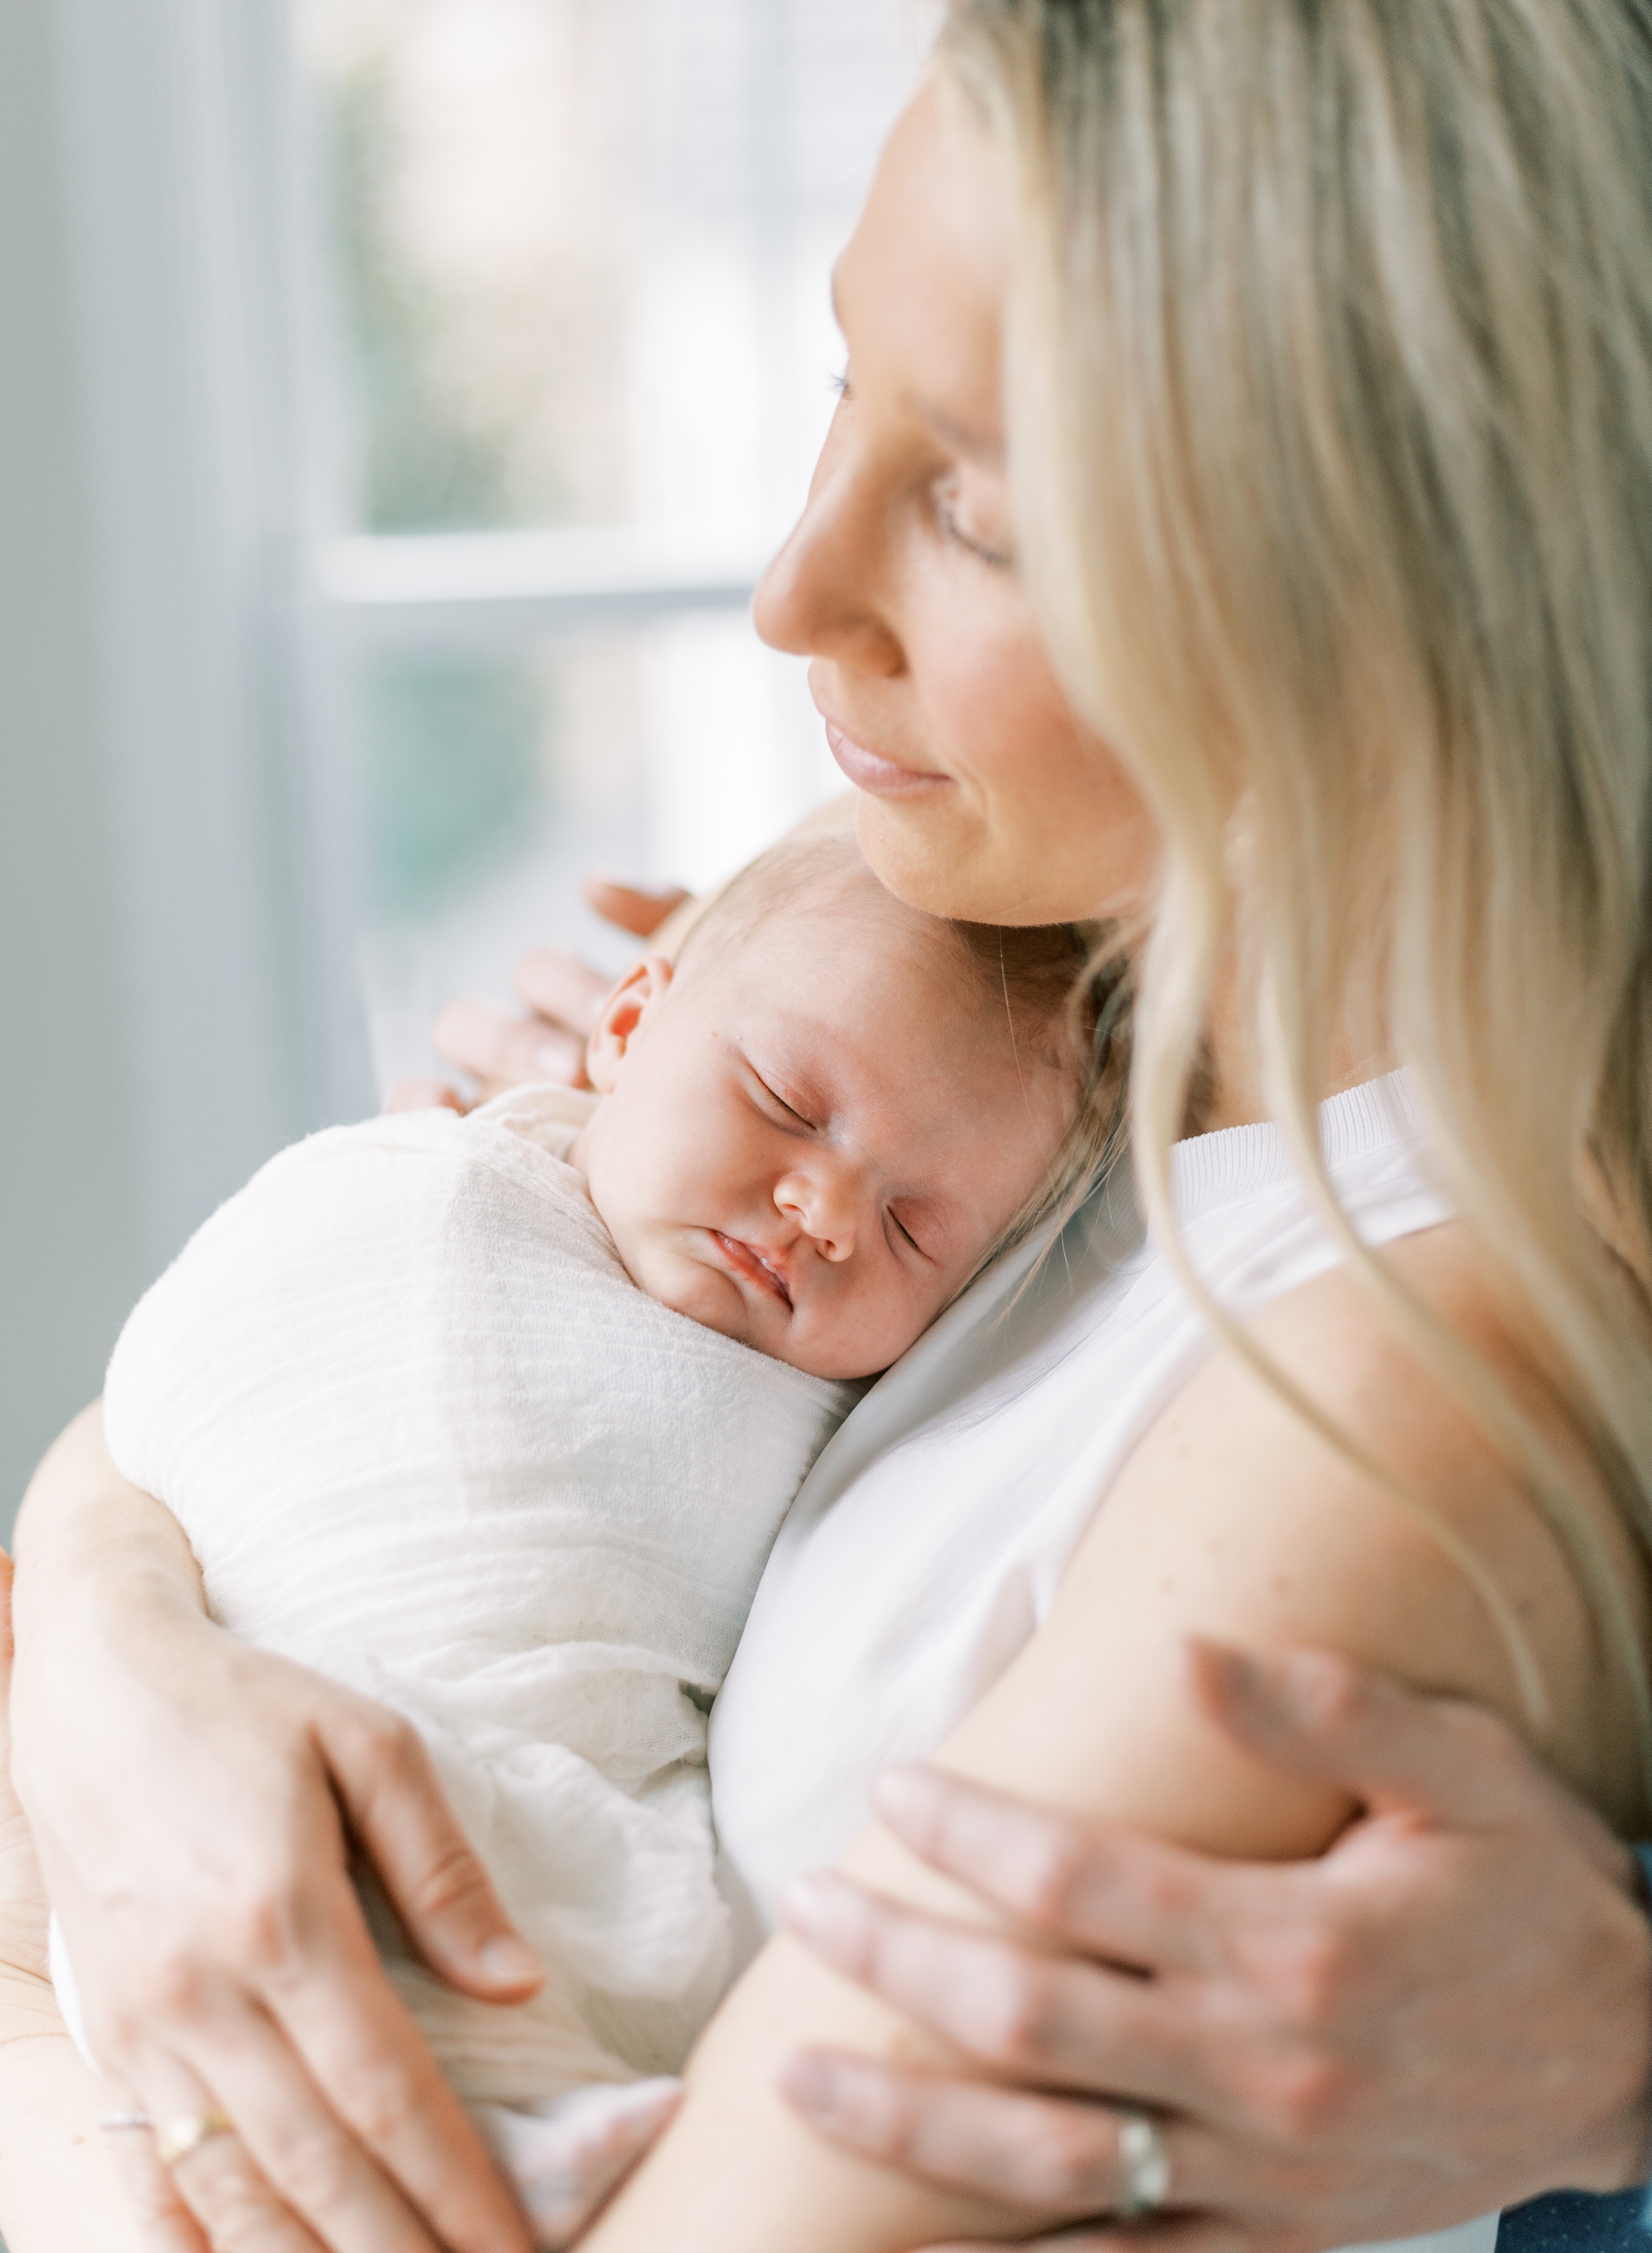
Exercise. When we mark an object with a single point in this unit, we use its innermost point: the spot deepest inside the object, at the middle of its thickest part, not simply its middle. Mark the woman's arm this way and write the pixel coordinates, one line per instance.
(194, 1801)
(1233, 1520)
(1345, 2046)
(59, 2190)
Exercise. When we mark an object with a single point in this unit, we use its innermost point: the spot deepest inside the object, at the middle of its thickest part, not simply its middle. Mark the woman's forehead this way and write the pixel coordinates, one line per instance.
(920, 288)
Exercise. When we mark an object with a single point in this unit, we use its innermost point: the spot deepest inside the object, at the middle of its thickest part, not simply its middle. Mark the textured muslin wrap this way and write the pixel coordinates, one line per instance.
(426, 1435)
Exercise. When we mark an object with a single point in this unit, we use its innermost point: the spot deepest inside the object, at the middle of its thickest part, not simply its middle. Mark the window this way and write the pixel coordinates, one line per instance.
(405, 393)
(571, 363)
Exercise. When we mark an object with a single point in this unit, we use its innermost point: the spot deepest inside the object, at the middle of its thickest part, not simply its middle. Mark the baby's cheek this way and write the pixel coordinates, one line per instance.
(703, 1298)
(901, 1321)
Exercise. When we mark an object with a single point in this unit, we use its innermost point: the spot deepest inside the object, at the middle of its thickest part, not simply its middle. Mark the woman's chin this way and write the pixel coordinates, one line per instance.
(932, 857)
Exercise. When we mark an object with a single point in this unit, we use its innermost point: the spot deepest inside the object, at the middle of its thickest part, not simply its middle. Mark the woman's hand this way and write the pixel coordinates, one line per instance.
(23, 1904)
(195, 1802)
(1451, 2011)
(499, 1048)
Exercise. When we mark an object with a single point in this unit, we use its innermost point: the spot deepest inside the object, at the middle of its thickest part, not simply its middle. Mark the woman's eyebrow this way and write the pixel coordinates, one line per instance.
(984, 448)
(974, 445)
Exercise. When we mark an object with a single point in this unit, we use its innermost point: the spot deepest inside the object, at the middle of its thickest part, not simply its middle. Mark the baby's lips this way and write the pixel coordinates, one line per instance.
(758, 1266)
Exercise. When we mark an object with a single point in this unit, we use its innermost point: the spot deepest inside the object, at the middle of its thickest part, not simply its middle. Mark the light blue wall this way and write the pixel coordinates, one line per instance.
(176, 996)
(71, 1232)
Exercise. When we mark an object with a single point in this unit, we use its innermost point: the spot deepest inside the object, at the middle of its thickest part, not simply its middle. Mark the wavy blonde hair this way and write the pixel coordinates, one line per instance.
(1330, 399)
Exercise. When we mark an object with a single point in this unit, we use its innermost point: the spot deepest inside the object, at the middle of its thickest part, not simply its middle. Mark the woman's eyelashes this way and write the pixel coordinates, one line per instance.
(950, 519)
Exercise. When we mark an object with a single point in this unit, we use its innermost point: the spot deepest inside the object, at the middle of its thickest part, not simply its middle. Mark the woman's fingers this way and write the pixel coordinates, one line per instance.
(213, 2196)
(563, 989)
(290, 2171)
(1113, 1895)
(424, 1095)
(229, 2207)
(348, 2139)
(164, 2222)
(379, 2079)
(1194, 2233)
(1051, 2155)
(400, 1815)
(636, 907)
(1039, 2019)
(289, 2019)
(503, 1049)
(1313, 1714)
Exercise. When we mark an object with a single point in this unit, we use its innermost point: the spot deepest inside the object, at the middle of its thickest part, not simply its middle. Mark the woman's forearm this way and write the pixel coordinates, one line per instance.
(101, 1557)
(59, 2191)
(94, 1552)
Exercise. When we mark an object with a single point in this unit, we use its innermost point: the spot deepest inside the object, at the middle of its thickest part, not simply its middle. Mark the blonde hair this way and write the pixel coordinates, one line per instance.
(1330, 399)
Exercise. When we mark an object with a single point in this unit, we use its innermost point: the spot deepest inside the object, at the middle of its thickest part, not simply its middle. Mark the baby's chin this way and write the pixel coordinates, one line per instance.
(703, 1295)
(842, 1360)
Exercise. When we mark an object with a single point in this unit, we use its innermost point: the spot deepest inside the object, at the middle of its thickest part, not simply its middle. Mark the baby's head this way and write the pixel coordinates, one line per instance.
(823, 1120)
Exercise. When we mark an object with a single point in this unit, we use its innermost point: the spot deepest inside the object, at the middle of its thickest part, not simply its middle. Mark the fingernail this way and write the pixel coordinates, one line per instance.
(820, 1909)
(902, 1794)
(510, 1960)
(809, 2083)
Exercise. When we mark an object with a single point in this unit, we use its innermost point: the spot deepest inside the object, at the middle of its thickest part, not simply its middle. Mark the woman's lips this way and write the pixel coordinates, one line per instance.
(746, 1260)
(880, 777)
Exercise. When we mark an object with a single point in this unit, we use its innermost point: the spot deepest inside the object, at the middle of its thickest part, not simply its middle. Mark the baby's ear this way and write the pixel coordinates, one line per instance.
(643, 986)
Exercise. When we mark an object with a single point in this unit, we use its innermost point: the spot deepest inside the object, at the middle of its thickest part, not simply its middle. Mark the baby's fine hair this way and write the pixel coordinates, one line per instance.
(1062, 1012)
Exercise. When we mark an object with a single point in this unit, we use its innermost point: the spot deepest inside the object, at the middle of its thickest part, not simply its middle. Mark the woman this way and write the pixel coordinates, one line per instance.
(1235, 526)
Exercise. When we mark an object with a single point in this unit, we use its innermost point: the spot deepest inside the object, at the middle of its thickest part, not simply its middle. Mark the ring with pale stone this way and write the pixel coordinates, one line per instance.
(1145, 2164)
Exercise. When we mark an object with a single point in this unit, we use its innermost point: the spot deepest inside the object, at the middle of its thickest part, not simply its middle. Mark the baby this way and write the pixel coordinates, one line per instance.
(495, 1419)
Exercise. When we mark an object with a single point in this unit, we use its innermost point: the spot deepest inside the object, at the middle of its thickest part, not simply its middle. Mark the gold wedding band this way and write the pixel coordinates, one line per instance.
(180, 2137)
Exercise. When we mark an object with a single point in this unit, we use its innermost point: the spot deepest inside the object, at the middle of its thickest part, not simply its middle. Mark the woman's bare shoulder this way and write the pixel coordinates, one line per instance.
(1238, 1519)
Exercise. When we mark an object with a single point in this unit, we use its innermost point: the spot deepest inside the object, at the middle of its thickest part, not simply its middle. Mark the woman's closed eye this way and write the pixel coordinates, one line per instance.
(961, 528)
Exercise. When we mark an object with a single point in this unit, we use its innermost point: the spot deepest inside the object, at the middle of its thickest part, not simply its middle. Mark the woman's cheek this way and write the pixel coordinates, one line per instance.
(1006, 728)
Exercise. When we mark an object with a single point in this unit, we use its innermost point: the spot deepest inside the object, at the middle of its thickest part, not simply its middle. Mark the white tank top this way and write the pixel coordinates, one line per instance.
(926, 1545)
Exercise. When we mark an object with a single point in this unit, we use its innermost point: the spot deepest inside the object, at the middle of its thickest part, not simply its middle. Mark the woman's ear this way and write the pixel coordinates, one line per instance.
(643, 986)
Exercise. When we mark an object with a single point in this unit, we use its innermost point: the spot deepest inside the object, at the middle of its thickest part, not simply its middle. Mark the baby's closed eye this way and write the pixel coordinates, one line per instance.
(776, 1104)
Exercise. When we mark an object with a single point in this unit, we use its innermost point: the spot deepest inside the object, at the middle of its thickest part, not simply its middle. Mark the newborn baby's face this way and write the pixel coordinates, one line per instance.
(812, 1139)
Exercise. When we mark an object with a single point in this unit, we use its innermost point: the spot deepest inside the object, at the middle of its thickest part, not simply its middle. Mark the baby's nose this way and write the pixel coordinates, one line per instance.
(824, 1208)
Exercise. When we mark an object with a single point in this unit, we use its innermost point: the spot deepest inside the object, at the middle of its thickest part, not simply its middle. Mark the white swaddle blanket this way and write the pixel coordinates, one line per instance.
(426, 1435)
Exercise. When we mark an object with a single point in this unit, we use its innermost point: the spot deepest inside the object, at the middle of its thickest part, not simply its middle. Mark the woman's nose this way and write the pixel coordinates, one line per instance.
(820, 596)
(823, 1205)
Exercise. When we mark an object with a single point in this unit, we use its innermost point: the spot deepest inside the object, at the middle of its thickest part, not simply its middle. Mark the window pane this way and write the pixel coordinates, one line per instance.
(493, 781)
(579, 248)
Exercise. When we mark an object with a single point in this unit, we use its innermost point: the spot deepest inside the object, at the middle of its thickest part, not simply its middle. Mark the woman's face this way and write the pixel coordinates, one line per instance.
(982, 795)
